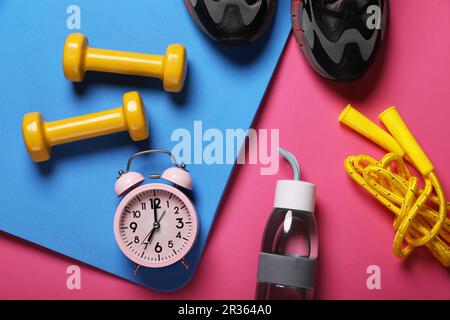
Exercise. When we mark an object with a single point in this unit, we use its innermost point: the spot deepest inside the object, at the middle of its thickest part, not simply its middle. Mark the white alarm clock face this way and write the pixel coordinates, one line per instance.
(155, 225)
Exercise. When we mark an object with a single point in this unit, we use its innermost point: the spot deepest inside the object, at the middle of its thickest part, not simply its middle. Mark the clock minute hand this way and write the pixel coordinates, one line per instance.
(155, 226)
(148, 235)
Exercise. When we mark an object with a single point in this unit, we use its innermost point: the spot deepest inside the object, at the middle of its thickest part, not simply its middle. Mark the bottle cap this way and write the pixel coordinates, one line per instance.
(295, 195)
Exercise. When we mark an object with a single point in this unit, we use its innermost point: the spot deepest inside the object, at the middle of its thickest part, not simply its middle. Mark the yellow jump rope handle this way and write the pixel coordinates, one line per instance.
(417, 223)
(397, 127)
(358, 122)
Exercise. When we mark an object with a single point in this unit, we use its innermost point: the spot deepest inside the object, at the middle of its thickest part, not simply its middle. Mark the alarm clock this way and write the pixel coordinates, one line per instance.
(155, 224)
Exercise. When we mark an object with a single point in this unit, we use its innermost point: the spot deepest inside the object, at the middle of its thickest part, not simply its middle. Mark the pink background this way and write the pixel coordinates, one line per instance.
(355, 231)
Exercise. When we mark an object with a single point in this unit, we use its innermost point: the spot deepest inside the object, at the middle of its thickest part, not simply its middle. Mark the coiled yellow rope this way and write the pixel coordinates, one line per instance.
(417, 221)
(421, 214)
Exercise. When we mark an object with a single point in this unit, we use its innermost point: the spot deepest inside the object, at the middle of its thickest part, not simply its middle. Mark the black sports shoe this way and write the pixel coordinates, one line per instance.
(340, 38)
(232, 21)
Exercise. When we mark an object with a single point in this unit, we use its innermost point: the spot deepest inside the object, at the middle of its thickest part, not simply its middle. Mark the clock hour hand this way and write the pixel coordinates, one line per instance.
(156, 226)
(155, 216)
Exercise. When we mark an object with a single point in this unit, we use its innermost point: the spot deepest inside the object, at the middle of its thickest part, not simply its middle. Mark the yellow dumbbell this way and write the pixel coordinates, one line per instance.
(39, 136)
(78, 58)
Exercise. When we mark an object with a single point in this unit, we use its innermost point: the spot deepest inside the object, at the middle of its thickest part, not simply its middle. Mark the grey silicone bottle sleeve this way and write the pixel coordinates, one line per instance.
(298, 272)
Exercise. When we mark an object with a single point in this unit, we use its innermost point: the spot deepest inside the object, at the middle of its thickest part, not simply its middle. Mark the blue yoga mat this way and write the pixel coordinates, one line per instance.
(67, 204)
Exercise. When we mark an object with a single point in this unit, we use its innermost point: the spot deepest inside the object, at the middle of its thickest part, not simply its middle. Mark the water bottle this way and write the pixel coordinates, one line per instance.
(288, 257)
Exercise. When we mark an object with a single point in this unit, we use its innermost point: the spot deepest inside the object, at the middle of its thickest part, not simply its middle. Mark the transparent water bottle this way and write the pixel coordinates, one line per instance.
(288, 257)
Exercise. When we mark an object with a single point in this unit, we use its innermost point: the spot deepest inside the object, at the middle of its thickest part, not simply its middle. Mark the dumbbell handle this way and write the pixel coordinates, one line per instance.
(131, 63)
(86, 126)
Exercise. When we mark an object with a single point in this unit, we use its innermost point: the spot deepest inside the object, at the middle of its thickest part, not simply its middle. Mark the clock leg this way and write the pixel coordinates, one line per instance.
(136, 269)
(185, 263)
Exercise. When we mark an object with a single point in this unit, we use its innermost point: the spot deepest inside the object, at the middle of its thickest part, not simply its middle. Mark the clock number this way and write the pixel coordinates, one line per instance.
(155, 203)
(158, 248)
(136, 239)
(168, 206)
(143, 206)
(179, 235)
(180, 223)
(136, 214)
(133, 226)
(176, 210)
(170, 244)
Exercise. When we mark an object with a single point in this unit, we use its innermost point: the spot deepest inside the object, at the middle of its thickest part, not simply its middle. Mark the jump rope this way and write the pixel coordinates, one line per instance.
(420, 213)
